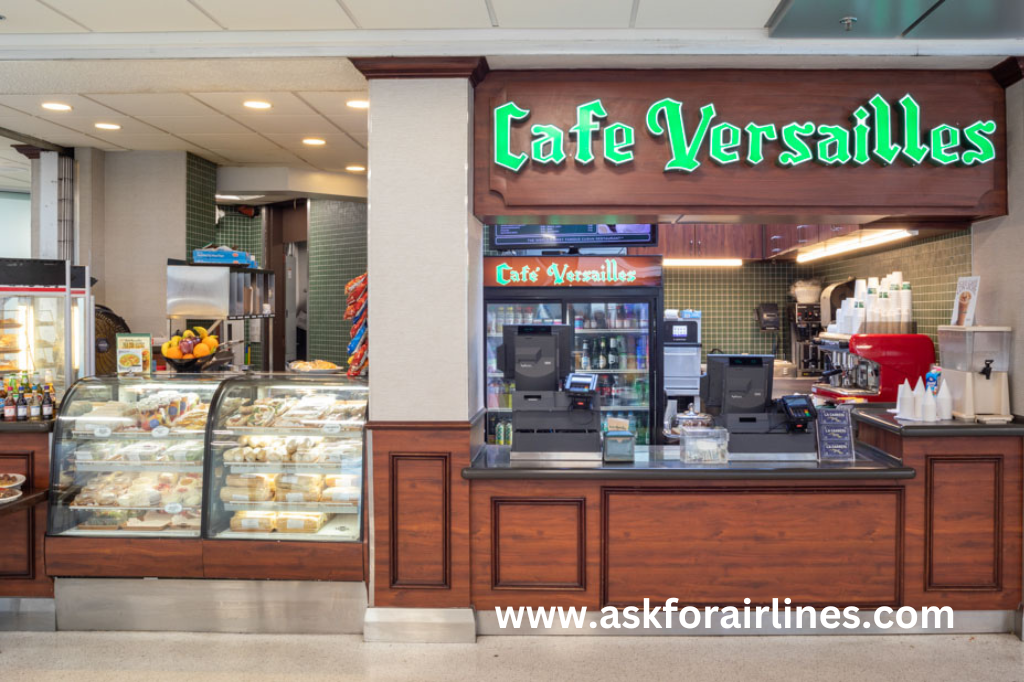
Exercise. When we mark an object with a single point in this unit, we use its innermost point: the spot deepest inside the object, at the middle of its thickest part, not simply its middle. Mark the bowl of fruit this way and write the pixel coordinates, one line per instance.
(192, 350)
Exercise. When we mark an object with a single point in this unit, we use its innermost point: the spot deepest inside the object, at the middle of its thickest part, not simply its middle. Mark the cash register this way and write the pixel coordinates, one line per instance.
(556, 413)
(737, 393)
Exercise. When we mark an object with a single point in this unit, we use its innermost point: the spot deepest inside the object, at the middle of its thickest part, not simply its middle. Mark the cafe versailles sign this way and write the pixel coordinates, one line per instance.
(869, 137)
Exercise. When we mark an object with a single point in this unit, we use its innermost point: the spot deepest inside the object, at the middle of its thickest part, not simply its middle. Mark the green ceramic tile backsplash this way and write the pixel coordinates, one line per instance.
(932, 266)
(337, 253)
(238, 231)
(200, 200)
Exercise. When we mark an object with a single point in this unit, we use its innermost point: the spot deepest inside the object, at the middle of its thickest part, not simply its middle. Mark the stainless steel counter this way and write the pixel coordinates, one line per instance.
(492, 462)
(879, 417)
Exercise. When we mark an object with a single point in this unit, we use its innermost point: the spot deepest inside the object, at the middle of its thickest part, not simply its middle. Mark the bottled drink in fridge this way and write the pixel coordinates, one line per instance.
(613, 354)
(602, 356)
(585, 358)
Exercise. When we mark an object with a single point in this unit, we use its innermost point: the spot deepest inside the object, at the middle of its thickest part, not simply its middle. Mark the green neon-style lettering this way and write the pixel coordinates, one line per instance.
(721, 144)
(503, 117)
(913, 150)
(618, 141)
(944, 138)
(548, 145)
(684, 153)
(799, 151)
(984, 151)
(885, 149)
(861, 136)
(834, 146)
(585, 127)
(756, 136)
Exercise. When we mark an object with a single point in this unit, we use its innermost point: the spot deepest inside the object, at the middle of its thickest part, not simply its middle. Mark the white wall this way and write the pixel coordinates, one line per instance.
(999, 251)
(89, 241)
(15, 225)
(144, 215)
(425, 266)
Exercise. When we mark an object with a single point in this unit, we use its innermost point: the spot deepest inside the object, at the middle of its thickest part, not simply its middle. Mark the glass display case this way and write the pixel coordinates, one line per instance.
(46, 322)
(285, 459)
(128, 456)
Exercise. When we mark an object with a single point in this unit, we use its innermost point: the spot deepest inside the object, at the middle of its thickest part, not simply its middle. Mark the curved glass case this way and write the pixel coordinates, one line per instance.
(285, 459)
(128, 456)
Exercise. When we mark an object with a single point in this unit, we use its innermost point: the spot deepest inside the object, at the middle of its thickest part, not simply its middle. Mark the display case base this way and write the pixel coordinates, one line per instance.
(241, 606)
(424, 626)
(27, 615)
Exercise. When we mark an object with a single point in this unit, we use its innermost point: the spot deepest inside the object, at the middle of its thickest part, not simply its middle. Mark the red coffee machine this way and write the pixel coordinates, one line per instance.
(871, 367)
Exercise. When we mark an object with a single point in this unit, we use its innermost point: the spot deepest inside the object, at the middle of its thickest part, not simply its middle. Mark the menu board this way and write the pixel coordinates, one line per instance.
(835, 435)
(134, 353)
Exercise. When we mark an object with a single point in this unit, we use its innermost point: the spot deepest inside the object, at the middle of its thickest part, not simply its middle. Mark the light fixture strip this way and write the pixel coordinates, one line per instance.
(864, 242)
(702, 262)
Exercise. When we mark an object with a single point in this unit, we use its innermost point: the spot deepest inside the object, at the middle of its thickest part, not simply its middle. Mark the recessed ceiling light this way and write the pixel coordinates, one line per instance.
(314, 142)
(358, 103)
(56, 106)
(257, 104)
(355, 168)
(108, 126)
(227, 197)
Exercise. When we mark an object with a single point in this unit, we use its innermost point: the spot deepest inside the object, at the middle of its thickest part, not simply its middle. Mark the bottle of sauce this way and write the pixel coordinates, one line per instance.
(47, 406)
(10, 407)
(35, 404)
(22, 406)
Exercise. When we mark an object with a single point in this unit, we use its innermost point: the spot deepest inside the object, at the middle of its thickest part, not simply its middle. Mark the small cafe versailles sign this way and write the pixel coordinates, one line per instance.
(880, 132)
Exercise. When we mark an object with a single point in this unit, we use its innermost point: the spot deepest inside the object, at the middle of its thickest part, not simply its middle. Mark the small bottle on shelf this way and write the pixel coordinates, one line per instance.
(22, 406)
(35, 404)
(47, 405)
(10, 406)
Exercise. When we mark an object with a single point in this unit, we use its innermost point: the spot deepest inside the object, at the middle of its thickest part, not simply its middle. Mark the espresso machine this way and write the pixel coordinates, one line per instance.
(871, 367)
(975, 364)
(804, 326)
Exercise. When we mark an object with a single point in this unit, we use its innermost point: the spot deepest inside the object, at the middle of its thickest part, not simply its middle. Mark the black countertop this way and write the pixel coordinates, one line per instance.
(26, 427)
(492, 462)
(881, 418)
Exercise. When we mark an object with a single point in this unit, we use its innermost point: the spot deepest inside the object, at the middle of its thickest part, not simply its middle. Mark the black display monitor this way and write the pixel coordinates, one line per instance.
(739, 384)
(509, 237)
(537, 357)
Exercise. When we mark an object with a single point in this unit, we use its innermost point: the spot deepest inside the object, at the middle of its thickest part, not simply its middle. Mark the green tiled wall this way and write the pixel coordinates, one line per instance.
(237, 231)
(932, 266)
(727, 298)
(337, 253)
(200, 193)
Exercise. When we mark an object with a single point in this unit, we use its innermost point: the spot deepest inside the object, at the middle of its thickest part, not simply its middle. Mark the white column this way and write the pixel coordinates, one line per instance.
(45, 205)
(425, 262)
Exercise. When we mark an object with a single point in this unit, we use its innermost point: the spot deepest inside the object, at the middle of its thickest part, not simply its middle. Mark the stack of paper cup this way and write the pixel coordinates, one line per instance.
(919, 392)
(906, 308)
(905, 401)
(944, 403)
(860, 289)
(896, 278)
(929, 408)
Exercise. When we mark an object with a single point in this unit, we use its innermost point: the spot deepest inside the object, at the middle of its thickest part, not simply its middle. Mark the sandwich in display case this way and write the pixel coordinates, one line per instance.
(128, 456)
(285, 459)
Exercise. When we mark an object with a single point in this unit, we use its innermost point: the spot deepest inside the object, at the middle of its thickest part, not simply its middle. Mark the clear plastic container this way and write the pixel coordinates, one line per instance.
(967, 348)
(704, 445)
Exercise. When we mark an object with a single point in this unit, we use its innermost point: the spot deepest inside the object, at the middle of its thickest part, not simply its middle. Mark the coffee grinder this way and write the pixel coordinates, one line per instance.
(804, 326)
(975, 368)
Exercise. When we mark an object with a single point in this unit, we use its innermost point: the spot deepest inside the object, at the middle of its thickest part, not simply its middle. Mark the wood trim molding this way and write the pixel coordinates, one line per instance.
(579, 503)
(472, 68)
(997, 502)
(1008, 71)
(393, 531)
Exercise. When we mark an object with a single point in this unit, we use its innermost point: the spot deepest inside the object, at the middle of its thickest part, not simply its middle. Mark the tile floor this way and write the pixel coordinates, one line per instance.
(156, 657)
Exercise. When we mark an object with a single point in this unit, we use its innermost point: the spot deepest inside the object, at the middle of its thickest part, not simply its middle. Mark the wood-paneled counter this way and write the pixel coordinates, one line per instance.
(25, 450)
(820, 534)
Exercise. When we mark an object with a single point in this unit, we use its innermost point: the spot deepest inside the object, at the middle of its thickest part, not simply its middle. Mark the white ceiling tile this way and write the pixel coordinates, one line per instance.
(117, 16)
(154, 104)
(29, 16)
(239, 141)
(153, 142)
(33, 104)
(735, 14)
(212, 123)
(335, 102)
(372, 14)
(231, 103)
(564, 13)
(257, 156)
(269, 15)
(337, 144)
(44, 130)
(297, 126)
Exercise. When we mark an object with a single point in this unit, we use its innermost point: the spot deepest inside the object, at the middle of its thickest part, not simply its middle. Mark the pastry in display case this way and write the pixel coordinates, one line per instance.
(286, 459)
(128, 456)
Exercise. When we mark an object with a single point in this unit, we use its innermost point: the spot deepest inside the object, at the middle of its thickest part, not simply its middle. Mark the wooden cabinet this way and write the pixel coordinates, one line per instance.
(707, 241)
(779, 239)
(22, 561)
(826, 232)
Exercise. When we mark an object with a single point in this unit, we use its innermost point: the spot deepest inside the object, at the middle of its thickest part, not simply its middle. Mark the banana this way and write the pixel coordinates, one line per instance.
(188, 334)
(202, 332)
(176, 339)
(164, 347)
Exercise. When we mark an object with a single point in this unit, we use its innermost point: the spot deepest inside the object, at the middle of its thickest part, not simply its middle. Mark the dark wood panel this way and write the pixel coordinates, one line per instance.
(963, 536)
(817, 546)
(729, 241)
(17, 531)
(420, 521)
(642, 190)
(472, 68)
(124, 557)
(538, 543)
(779, 240)
(435, 441)
(284, 560)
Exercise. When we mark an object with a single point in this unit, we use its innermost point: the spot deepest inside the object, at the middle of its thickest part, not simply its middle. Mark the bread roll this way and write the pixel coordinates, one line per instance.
(245, 494)
(300, 522)
(250, 481)
(300, 482)
(340, 480)
(297, 495)
(256, 522)
(340, 494)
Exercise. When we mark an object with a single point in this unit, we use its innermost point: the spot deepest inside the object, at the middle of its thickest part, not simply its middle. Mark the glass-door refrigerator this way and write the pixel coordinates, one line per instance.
(614, 337)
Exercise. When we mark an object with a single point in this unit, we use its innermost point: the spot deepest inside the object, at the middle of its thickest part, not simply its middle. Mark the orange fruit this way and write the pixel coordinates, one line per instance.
(200, 350)
(173, 353)
(212, 343)
(188, 356)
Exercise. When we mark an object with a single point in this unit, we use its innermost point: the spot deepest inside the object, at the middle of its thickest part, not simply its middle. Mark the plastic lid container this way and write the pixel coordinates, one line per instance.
(704, 445)
(966, 349)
